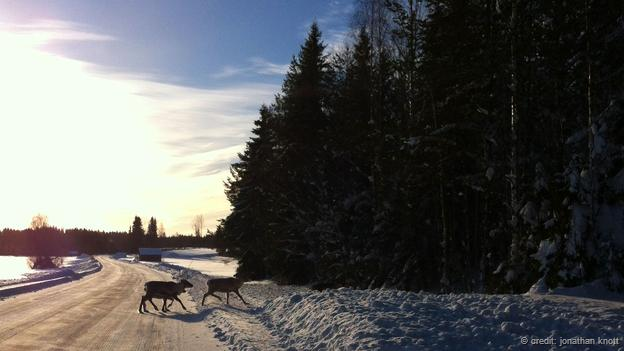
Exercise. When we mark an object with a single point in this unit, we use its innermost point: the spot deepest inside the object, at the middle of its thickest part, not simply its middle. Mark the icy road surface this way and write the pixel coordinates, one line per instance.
(99, 312)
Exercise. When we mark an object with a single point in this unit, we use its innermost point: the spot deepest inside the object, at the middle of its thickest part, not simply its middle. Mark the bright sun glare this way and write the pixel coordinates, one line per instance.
(74, 144)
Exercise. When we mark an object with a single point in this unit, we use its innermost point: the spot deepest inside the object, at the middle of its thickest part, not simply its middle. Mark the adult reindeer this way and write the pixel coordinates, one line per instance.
(225, 285)
(165, 291)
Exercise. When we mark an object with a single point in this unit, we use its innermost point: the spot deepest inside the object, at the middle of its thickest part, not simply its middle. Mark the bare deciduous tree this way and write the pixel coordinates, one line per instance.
(161, 230)
(39, 221)
(198, 224)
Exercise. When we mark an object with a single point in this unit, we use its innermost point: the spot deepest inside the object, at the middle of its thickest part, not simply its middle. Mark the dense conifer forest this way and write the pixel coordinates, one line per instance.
(453, 146)
(42, 239)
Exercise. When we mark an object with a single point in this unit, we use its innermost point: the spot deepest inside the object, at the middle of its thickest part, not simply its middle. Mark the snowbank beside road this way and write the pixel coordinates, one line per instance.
(594, 290)
(73, 268)
(238, 325)
(349, 319)
(296, 318)
(81, 265)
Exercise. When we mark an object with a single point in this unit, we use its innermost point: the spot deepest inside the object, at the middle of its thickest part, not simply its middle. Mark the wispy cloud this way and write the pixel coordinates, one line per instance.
(45, 31)
(203, 130)
(255, 65)
(334, 24)
(216, 166)
(230, 71)
(263, 66)
(337, 40)
(119, 144)
(338, 11)
(200, 144)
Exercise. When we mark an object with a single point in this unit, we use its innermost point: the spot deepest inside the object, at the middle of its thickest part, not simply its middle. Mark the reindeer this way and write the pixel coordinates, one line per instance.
(165, 291)
(225, 285)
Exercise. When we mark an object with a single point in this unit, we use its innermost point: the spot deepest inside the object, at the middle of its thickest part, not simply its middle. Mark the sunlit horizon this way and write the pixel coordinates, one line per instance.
(111, 111)
(91, 149)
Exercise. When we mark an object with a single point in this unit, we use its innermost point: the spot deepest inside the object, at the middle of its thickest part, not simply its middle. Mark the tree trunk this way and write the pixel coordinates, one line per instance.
(515, 240)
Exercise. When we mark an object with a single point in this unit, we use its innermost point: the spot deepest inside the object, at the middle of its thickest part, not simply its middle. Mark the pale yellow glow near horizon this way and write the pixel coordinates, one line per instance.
(80, 147)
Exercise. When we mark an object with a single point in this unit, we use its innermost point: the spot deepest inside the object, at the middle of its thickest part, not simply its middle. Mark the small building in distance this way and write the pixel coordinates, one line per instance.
(150, 254)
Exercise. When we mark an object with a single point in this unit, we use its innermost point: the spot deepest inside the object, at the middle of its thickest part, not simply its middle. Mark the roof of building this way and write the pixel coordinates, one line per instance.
(150, 251)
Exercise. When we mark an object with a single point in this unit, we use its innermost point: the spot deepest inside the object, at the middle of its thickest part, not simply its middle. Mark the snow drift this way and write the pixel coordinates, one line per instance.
(346, 319)
(296, 318)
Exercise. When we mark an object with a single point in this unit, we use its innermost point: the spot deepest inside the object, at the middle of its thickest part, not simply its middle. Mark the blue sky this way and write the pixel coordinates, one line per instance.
(195, 43)
(138, 107)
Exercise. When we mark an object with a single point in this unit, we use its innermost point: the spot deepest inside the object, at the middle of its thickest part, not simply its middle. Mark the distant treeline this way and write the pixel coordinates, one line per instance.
(59, 242)
(451, 146)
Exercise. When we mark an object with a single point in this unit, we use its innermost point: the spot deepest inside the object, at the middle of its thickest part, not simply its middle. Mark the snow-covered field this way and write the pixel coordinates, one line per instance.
(296, 318)
(23, 279)
(32, 279)
(14, 269)
(202, 260)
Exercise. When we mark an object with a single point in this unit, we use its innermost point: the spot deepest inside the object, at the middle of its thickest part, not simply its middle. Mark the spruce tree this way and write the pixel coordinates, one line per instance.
(152, 229)
(344, 244)
(471, 146)
(303, 109)
(137, 233)
(251, 190)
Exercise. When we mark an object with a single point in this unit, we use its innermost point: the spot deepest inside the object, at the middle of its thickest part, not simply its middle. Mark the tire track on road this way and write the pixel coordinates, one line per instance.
(97, 312)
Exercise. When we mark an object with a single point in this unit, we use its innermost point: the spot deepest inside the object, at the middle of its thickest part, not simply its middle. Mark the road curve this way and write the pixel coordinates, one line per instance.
(99, 312)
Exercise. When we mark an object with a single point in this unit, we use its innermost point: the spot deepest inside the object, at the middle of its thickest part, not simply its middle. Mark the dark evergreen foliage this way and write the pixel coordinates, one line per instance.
(152, 229)
(137, 234)
(52, 241)
(455, 146)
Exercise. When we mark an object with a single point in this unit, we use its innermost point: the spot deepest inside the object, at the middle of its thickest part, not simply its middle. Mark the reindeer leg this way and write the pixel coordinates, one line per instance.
(210, 293)
(153, 304)
(142, 305)
(227, 294)
(177, 299)
(170, 303)
(217, 296)
(239, 295)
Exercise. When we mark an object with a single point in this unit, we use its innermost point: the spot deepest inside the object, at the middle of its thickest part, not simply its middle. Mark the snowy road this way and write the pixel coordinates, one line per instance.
(100, 312)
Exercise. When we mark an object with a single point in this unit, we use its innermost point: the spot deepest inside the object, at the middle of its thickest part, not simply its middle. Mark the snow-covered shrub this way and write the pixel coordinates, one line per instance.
(45, 262)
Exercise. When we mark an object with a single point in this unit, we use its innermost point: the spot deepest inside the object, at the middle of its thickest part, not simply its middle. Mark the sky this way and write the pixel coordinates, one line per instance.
(111, 109)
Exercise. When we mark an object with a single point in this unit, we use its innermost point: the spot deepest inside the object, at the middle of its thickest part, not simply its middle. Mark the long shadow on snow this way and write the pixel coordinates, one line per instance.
(190, 317)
